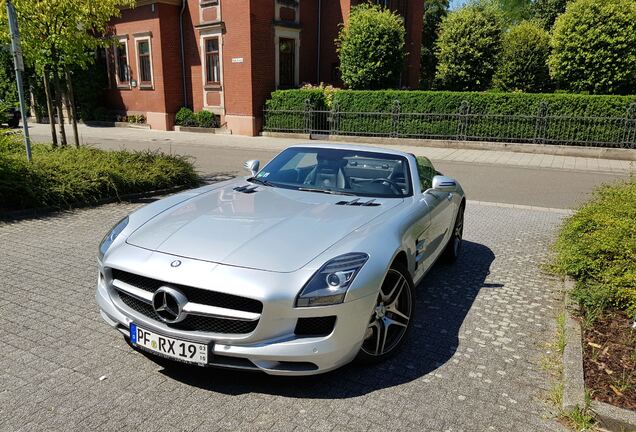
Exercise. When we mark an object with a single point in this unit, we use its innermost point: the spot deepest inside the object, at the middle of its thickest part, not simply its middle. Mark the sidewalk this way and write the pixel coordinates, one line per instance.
(115, 138)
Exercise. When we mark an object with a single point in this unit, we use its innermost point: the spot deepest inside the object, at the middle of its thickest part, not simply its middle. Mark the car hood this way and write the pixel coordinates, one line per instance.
(272, 229)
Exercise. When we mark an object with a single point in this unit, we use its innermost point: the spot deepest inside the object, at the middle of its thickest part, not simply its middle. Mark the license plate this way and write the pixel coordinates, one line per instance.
(189, 352)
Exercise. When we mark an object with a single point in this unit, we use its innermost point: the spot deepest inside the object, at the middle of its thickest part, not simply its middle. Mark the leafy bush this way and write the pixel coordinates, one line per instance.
(69, 177)
(523, 62)
(102, 114)
(483, 103)
(371, 48)
(547, 11)
(594, 47)
(434, 12)
(597, 246)
(205, 119)
(467, 48)
(185, 117)
(291, 116)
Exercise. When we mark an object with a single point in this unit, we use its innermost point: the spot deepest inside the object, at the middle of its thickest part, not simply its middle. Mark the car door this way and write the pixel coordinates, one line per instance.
(431, 242)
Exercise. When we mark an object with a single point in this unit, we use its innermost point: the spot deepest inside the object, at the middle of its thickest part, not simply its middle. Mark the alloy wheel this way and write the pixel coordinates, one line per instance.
(390, 317)
(458, 233)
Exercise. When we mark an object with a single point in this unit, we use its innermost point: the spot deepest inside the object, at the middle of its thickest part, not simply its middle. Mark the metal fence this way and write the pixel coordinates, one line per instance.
(541, 128)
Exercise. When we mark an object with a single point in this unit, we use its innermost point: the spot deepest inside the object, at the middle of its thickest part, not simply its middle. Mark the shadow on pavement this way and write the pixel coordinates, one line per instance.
(444, 298)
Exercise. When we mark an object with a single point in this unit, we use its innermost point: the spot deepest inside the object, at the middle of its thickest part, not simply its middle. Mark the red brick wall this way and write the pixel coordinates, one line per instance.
(414, 27)
(132, 21)
(333, 13)
(171, 58)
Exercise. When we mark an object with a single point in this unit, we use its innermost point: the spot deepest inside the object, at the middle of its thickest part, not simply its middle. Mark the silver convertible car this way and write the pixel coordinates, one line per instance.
(305, 265)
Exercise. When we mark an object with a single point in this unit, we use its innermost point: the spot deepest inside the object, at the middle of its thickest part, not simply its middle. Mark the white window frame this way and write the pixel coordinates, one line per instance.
(213, 32)
(122, 40)
(287, 33)
(143, 86)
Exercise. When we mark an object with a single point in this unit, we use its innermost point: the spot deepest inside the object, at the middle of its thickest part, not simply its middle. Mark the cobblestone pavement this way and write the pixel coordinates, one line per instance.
(472, 362)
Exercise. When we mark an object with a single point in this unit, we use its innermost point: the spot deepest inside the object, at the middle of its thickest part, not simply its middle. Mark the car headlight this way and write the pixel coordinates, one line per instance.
(111, 236)
(329, 285)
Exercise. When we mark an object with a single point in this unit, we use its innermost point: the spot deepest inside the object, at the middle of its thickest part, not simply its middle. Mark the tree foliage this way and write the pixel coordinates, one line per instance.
(523, 62)
(434, 12)
(547, 11)
(594, 47)
(371, 48)
(62, 32)
(467, 49)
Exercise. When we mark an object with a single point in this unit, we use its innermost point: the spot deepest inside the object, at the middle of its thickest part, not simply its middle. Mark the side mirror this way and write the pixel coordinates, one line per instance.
(252, 166)
(444, 184)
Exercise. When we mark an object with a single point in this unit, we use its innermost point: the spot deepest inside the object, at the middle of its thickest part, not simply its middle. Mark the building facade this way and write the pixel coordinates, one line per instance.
(227, 56)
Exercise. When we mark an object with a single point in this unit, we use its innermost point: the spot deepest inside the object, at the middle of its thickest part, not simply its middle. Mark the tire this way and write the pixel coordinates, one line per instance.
(454, 246)
(13, 123)
(391, 318)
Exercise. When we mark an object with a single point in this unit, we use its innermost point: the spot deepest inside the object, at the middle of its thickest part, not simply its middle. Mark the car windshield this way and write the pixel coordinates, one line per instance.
(338, 171)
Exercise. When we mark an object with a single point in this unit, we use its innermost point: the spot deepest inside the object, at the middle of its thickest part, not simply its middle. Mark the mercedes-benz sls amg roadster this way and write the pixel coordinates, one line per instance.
(308, 263)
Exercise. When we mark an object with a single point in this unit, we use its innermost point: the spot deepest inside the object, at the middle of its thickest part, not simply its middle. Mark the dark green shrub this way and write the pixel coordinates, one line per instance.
(597, 247)
(102, 114)
(185, 117)
(523, 62)
(434, 12)
(594, 47)
(547, 11)
(371, 48)
(441, 103)
(205, 119)
(70, 177)
(467, 48)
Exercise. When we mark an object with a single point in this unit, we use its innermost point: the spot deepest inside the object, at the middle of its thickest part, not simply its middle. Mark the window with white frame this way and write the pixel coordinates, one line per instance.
(212, 63)
(144, 62)
(122, 69)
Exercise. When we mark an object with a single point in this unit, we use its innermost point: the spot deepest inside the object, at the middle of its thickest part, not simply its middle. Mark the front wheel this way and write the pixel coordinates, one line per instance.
(453, 248)
(391, 317)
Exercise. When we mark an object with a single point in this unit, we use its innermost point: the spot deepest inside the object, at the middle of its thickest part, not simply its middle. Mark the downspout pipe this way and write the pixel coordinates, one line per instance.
(319, 42)
(183, 61)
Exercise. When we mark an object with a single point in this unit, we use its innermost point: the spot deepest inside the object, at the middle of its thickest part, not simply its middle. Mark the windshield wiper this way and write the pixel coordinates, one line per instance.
(326, 191)
(261, 181)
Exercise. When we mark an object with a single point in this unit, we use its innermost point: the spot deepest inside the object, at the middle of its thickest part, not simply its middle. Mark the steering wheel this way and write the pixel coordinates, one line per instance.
(396, 188)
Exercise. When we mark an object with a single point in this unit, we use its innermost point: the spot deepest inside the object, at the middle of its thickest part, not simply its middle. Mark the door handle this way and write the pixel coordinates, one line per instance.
(449, 197)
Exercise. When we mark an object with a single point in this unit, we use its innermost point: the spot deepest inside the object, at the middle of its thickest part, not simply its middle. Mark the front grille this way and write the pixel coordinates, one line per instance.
(195, 295)
(192, 322)
(320, 326)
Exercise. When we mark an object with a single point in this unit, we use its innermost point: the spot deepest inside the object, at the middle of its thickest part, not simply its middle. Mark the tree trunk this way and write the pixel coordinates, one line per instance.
(49, 106)
(71, 96)
(58, 102)
(67, 103)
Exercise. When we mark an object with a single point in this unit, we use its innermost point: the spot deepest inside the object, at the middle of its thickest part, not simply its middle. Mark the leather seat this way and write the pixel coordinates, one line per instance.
(328, 173)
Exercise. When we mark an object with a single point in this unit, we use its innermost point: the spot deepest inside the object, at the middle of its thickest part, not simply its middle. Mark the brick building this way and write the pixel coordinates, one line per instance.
(227, 56)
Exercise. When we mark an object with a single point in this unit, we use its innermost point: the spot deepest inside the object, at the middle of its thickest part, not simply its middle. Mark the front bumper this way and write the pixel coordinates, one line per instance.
(272, 347)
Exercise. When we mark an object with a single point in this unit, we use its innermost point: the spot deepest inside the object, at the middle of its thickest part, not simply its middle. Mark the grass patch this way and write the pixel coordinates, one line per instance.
(69, 177)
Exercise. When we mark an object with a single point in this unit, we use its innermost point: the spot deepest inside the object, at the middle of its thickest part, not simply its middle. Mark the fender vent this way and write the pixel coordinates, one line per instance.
(248, 189)
(357, 203)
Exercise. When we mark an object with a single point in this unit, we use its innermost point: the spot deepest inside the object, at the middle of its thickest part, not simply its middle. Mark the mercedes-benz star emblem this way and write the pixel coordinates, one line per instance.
(175, 263)
(168, 304)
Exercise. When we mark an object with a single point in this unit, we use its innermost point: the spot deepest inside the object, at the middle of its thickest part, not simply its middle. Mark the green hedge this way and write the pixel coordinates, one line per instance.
(483, 103)
(444, 103)
(69, 177)
(597, 247)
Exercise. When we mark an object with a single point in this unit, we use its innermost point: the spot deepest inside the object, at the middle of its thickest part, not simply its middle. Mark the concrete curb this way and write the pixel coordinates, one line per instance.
(549, 149)
(193, 129)
(573, 382)
(99, 123)
(609, 417)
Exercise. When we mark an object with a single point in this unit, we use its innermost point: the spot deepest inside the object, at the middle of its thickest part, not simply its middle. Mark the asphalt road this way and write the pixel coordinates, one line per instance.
(489, 182)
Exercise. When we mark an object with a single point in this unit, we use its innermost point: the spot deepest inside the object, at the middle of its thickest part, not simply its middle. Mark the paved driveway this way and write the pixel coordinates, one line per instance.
(472, 362)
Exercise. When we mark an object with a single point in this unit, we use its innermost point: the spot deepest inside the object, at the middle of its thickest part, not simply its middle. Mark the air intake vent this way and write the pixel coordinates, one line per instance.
(248, 189)
(357, 203)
